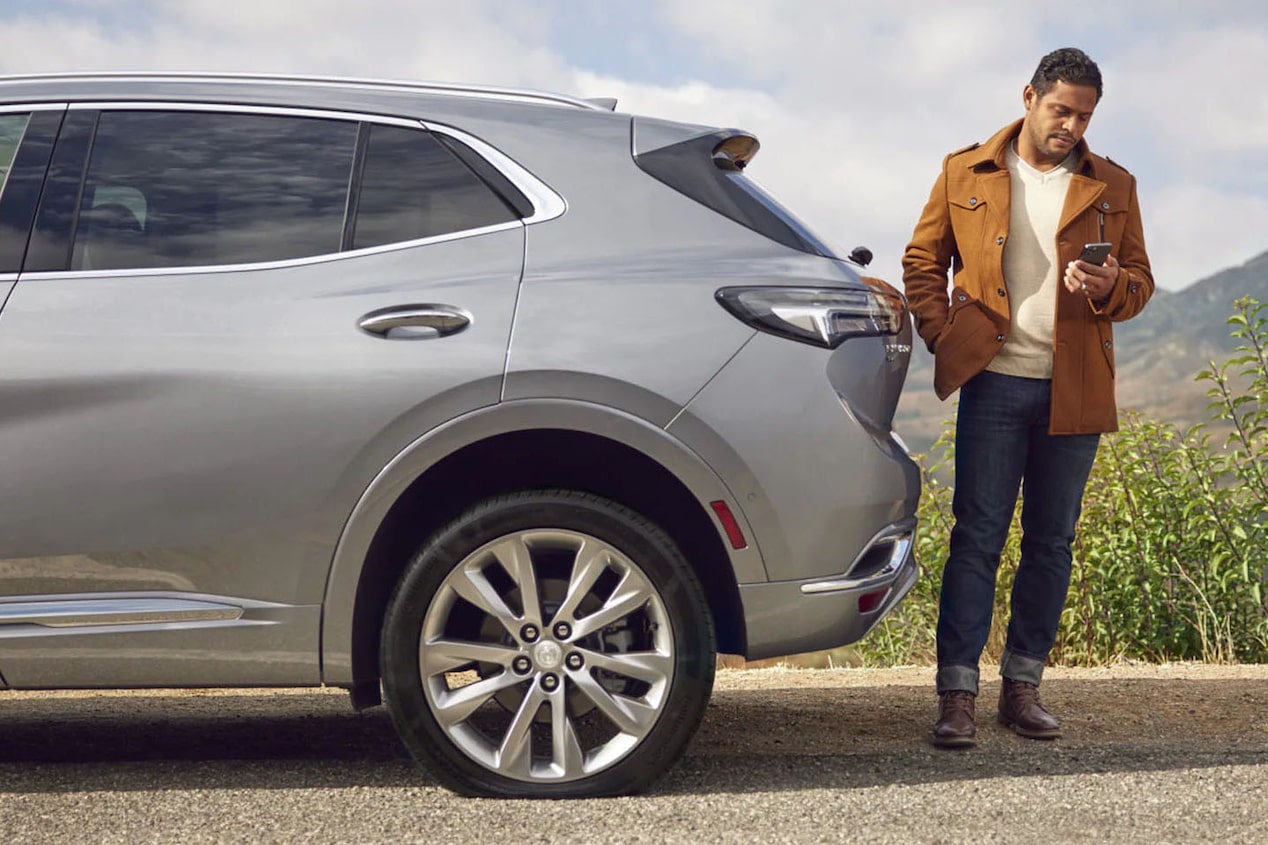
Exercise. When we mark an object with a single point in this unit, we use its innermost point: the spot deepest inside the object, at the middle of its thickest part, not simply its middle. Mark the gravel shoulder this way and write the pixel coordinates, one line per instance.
(1174, 753)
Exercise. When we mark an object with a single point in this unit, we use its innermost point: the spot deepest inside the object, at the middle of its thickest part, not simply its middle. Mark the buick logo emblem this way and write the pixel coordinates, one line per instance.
(548, 655)
(893, 350)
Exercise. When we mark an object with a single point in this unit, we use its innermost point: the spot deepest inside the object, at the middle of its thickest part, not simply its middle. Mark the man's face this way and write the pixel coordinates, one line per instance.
(1055, 122)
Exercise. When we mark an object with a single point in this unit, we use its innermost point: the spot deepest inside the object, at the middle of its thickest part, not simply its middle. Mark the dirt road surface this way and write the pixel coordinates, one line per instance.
(1151, 754)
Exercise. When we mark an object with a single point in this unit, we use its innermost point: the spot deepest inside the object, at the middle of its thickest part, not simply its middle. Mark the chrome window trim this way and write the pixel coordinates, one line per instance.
(444, 89)
(9, 108)
(269, 265)
(226, 108)
(547, 205)
(5, 278)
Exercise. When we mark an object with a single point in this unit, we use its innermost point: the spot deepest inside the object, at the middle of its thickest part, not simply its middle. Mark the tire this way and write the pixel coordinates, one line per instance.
(547, 644)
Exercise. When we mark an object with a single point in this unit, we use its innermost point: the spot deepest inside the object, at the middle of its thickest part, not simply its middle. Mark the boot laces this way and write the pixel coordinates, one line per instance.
(1025, 695)
(958, 700)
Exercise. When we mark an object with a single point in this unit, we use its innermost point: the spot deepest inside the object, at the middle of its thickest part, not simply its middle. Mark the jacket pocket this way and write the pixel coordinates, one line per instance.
(968, 210)
(967, 343)
(972, 222)
(966, 200)
(960, 300)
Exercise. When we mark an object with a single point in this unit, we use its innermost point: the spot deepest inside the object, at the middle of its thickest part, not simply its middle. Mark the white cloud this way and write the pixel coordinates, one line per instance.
(474, 40)
(1198, 231)
(1201, 90)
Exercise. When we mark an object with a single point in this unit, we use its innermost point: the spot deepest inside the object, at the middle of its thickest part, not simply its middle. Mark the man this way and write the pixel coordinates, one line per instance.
(1026, 337)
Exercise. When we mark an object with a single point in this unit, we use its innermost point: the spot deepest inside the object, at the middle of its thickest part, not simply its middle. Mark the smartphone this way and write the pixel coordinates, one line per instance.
(1095, 253)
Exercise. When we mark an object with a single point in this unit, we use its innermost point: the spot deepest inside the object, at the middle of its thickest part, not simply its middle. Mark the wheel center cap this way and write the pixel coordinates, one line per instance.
(548, 655)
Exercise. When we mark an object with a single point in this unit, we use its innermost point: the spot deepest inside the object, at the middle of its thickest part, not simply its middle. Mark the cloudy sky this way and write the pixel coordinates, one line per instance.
(855, 102)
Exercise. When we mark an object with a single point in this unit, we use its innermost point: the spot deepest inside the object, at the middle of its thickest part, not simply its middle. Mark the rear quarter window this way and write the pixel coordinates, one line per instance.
(412, 187)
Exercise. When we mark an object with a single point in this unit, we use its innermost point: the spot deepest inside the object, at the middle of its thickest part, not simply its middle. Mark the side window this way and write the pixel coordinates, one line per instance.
(12, 127)
(130, 198)
(413, 187)
(190, 188)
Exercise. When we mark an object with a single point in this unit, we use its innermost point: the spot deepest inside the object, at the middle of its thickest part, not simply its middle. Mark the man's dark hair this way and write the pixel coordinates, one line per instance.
(1069, 65)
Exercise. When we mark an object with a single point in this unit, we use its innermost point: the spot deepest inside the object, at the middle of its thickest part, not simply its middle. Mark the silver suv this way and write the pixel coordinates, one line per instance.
(503, 408)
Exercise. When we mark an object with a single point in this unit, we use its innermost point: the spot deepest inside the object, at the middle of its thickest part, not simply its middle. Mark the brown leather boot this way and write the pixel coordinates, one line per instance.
(955, 727)
(1021, 710)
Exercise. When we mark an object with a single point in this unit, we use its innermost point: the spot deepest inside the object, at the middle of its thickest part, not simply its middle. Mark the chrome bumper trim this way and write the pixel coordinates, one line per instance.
(899, 537)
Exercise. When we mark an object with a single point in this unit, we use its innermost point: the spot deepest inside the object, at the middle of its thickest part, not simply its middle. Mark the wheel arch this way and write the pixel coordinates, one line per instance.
(502, 449)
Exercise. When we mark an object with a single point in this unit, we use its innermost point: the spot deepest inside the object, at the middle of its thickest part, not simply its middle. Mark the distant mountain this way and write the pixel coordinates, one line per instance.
(1157, 354)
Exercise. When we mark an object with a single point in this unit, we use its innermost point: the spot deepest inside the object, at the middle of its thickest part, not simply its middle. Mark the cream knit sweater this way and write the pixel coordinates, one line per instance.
(1030, 265)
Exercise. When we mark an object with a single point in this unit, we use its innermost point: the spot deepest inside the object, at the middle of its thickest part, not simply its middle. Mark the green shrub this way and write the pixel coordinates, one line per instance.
(1170, 549)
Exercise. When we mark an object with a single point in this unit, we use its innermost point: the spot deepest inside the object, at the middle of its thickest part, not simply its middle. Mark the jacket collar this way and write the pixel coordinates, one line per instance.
(994, 151)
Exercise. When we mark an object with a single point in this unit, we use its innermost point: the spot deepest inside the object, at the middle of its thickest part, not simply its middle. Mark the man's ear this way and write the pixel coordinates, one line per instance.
(1028, 96)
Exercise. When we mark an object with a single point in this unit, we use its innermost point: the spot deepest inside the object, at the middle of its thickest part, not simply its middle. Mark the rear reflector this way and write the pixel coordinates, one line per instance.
(733, 532)
(870, 601)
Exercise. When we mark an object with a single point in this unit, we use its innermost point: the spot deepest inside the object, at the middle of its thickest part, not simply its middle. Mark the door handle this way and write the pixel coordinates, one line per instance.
(414, 322)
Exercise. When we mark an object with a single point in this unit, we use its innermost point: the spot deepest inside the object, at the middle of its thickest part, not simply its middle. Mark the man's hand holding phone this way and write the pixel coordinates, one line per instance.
(1093, 273)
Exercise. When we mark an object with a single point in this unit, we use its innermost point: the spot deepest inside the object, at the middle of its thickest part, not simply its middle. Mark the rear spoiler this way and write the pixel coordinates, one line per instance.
(707, 164)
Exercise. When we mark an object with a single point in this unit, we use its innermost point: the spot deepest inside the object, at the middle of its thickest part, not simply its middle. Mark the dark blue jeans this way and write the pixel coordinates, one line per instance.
(1002, 443)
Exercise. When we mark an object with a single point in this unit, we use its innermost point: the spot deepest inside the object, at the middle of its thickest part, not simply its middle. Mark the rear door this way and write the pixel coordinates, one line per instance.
(229, 320)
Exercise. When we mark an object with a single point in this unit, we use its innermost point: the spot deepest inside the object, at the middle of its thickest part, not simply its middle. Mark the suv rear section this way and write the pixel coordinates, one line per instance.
(724, 374)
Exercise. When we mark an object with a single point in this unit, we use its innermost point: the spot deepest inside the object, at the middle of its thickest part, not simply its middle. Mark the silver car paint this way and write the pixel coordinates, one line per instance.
(646, 299)
(173, 437)
(835, 480)
(272, 537)
(782, 619)
(633, 300)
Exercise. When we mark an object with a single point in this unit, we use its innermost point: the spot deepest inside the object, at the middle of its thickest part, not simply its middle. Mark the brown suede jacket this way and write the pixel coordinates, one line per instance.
(963, 229)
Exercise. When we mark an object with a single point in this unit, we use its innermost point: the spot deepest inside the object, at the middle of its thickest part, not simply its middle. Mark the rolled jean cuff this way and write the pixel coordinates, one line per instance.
(957, 678)
(1018, 667)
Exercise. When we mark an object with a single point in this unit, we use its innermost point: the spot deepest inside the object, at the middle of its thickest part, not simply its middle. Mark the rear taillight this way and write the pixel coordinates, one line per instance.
(821, 316)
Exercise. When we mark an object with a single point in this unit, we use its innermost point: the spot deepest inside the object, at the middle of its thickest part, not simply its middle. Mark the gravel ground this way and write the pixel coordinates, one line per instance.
(1151, 754)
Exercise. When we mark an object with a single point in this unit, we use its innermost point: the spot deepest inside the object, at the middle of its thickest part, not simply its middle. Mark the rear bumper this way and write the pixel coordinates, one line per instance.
(791, 617)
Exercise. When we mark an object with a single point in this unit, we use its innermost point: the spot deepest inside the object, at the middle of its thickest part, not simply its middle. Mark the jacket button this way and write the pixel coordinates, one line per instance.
(1002, 292)
(999, 241)
(1133, 288)
(1105, 205)
(999, 338)
(972, 200)
(961, 297)
(1109, 344)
